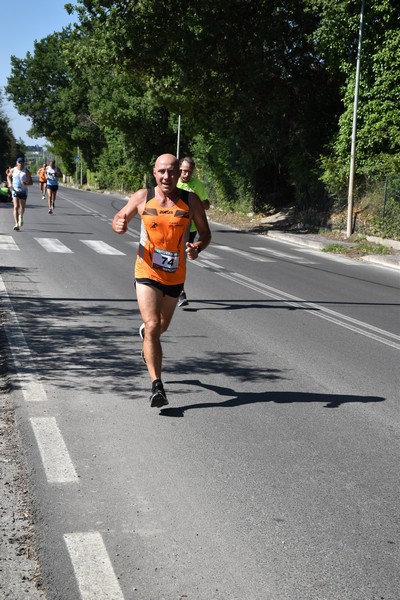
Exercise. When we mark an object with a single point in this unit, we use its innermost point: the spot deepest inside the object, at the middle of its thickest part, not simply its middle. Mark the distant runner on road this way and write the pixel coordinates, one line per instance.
(53, 174)
(18, 178)
(42, 179)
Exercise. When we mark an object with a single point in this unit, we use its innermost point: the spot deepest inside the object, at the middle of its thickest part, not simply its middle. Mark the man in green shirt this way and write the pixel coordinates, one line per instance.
(190, 183)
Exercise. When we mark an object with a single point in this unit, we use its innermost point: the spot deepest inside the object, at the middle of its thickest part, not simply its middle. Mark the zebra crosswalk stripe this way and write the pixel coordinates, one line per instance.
(101, 247)
(53, 245)
(7, 242)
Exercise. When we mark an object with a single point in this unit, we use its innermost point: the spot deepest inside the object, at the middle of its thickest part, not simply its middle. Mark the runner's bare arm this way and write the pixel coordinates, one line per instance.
(134, 206)
(28, 178)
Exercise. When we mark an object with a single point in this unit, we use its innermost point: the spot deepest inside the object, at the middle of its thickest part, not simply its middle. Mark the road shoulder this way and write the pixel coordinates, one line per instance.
(316, 241)
(19, 566)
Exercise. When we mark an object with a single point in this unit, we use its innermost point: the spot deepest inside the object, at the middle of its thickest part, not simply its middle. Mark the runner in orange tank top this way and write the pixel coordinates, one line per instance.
(160, 268)
(42, 179)
(161, 254)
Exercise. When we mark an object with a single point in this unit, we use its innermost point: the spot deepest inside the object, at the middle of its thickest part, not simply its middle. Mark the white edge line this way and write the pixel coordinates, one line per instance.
(56, 461)
(92, 566)
(31, 387)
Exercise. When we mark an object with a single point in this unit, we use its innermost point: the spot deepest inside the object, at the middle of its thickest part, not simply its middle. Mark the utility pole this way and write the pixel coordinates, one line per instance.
(178, 137)
(354, 130)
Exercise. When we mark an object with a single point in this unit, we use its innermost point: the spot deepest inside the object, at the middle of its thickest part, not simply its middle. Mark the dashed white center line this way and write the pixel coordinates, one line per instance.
(211, 256)
(92, 566)
(283, 255)
(243, 253)
(56, 461)
(205, 263)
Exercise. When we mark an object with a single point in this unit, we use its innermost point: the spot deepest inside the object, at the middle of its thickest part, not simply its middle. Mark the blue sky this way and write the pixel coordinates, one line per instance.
(23, 23)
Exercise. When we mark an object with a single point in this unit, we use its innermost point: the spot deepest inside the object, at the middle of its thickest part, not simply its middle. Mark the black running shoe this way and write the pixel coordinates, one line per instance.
(158, 397)
(183, 301)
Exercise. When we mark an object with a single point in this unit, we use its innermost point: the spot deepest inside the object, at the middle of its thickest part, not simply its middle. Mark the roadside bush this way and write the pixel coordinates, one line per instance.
(387, 225)
(372, 214)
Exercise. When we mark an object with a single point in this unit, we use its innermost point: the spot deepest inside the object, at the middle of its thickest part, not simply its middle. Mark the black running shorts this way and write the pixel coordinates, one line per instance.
(168, 290)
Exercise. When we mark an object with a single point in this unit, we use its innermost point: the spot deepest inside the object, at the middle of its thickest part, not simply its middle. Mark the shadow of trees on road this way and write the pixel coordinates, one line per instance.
(93, 344)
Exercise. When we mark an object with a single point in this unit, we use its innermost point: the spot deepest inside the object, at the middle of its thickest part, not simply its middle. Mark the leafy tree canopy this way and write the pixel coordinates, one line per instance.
(264, 89)
(9, 148)
(378, 114)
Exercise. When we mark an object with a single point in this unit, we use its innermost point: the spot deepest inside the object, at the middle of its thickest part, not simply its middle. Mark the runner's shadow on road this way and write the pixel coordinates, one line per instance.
(243, 398)
(212, 305)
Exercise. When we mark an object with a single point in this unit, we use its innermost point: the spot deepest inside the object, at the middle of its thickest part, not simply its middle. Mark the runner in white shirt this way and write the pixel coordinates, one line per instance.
(18, 179)
(53, 173)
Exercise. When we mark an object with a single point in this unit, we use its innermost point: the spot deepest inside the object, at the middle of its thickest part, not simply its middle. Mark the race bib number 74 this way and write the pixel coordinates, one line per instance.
(165, 260)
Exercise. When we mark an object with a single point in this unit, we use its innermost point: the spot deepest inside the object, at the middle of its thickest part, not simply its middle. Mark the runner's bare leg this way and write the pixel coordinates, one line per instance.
(157, 311)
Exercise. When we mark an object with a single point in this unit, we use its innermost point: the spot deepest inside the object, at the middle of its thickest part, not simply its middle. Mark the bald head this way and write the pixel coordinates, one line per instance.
(168, 159)
(166, 173)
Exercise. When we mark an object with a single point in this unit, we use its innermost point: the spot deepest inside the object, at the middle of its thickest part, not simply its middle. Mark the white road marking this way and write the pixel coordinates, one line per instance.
(53, 245)
(370, 331)
(210, 255)
(133, 233)
(94, 213)
(102, 248)
(204, 255)
(79, 205)
(320, 254)
(53, 451)
(92, 566)
(205, 263)
(7, 242)
(317, 251)
(243, 253)
(304, 261)
(31, 386)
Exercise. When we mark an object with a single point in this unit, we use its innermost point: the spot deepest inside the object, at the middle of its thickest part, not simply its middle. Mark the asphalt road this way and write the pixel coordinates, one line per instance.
(272, 475)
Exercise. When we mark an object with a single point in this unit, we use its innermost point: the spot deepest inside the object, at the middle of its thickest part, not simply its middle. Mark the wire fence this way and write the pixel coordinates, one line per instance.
(378, 212)
(391, 193)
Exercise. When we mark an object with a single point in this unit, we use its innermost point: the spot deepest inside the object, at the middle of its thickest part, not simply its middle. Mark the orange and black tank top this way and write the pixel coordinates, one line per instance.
(164, 231)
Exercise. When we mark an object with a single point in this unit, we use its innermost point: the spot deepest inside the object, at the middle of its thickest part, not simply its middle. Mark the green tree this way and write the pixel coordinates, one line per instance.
(258, 102)
(378, 116)
(249, 96)
(9, 148)
(44, 88)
